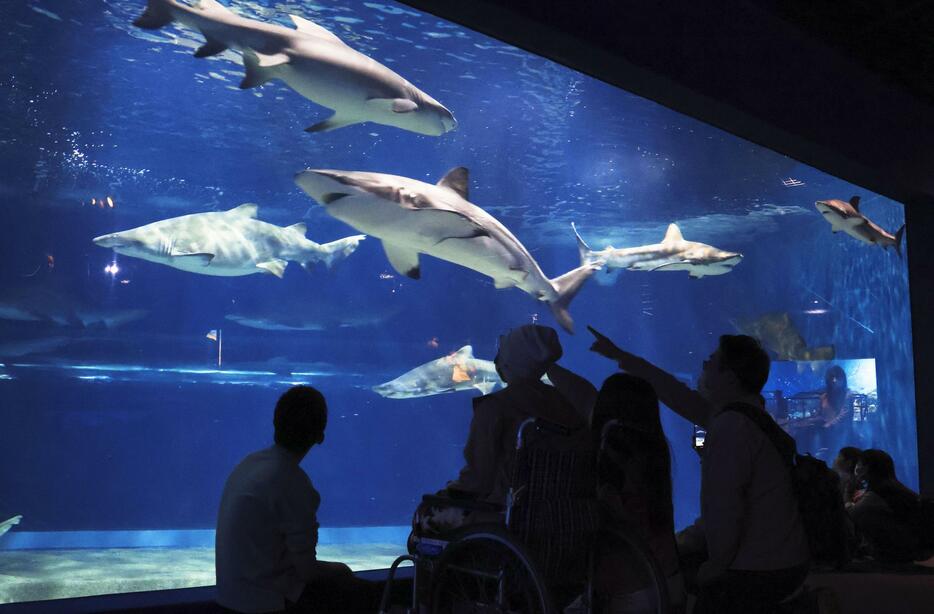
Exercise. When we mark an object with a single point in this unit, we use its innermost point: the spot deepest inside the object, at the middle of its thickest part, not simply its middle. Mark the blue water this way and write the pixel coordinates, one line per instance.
(134, 427)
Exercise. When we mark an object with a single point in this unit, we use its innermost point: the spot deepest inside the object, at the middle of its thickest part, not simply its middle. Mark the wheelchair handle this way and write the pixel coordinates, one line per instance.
(543, 424)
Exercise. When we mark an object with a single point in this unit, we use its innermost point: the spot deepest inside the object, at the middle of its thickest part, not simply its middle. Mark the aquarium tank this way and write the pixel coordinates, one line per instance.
(170, 266)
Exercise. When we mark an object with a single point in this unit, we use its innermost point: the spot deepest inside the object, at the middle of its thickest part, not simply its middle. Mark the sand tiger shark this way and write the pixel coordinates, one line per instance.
(672, 254)
(413, 217)
(48, 305)
(452, 373)
(226, 243)
(313, 62)
(845, 216)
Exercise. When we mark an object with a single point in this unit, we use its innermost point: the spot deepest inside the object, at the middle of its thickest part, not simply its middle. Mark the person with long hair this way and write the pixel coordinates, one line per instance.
(634, 477)
(887, 512)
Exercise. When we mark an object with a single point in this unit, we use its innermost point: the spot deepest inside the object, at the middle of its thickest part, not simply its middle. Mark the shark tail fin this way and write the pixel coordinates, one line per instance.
(586, 254)
(333, 252)
(898, 240)
(567, 287)
(156, 15)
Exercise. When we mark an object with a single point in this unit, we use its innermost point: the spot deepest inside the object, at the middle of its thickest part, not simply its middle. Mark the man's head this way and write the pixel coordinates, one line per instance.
(738, 368)
(527, 352)
(300, 418)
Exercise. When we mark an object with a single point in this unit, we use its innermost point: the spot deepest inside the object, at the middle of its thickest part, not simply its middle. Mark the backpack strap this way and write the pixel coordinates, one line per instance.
(782, 441)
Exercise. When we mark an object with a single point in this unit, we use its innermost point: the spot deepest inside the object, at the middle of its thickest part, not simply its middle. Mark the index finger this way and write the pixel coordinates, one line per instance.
(594, 332)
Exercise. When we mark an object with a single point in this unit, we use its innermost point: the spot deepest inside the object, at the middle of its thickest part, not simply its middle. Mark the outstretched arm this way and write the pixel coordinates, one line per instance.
(684, 401)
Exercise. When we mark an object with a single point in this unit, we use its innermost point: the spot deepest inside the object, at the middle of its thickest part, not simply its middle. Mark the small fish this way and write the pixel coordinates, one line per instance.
(433, 343)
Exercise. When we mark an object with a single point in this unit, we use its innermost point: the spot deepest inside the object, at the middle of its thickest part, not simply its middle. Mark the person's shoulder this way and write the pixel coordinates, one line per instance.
(734, 420)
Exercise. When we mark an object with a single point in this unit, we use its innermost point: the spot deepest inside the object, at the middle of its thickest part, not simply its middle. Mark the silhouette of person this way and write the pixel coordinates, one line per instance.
(634, 475)
(267, 528)
(757, 551)
(525, 354)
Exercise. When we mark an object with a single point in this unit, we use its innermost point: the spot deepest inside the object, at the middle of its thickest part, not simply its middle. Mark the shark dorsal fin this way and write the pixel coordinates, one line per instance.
(311, 28)
(206, 5)
(300, 228)
(456, 179)
(854, 202)
(672, 234)
(245, 210)
(464, 352)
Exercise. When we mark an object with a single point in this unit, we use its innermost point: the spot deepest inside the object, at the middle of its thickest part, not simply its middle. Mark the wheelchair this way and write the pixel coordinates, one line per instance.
(536, 554)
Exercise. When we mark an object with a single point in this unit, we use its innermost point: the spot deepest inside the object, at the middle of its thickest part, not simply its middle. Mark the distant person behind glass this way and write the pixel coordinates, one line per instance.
(267, 527)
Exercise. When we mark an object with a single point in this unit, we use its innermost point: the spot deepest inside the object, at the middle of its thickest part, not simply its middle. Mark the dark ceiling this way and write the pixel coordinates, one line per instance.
(846, 86)
(894, 38)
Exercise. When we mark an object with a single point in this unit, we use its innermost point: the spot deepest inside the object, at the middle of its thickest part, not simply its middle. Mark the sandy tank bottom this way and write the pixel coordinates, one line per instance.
(37, 575)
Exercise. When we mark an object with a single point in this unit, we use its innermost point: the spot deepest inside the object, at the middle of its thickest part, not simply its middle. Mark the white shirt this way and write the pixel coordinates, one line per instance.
(749, 510)
(267, 532)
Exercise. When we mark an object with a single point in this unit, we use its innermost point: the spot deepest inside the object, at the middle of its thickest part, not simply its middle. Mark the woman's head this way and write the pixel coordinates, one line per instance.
(845, 463)
(875, 467)
(629, 399)
(835, 379)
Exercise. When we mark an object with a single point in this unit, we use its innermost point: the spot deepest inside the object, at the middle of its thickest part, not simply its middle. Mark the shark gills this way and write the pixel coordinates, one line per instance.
(226, 243)
(672, 254)
(312, 61)
(411, 217)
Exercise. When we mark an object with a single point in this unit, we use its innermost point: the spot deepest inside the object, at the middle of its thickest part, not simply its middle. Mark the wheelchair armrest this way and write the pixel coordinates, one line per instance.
(467, 504)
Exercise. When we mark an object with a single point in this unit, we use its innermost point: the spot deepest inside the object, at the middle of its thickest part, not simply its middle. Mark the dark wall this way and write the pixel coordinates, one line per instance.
(920, 220)
(739, 65)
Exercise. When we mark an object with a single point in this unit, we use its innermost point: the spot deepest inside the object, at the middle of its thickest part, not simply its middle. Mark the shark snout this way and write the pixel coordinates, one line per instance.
(110, 240)
(323, 185)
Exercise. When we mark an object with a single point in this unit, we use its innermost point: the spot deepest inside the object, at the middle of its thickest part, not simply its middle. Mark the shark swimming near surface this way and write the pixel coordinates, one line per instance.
(452, 373)
(226, 243)
(7, 524)
(43, 304)
(312, 61)
(845, 216)
(672, 254)
(413, 217)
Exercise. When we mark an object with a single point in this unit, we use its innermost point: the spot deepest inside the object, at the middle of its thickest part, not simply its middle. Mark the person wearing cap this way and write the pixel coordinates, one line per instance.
(525, 354)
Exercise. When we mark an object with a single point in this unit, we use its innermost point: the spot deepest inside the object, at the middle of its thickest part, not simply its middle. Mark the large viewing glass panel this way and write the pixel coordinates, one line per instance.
(120, 426)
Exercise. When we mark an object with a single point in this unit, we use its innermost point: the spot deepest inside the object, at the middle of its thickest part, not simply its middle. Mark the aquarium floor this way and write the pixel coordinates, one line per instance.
(37, 575)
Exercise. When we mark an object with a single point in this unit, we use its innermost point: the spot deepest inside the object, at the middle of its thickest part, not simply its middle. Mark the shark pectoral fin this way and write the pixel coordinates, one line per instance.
(332, 123)
(200, 258)
(210, 48)
(311, 28)
(396, 105)
(260, 68)
(502, 283)
(403, 259)
(275, 267)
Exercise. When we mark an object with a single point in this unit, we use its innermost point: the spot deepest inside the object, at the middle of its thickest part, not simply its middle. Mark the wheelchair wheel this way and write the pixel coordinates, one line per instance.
(640, 560)
(485, 570)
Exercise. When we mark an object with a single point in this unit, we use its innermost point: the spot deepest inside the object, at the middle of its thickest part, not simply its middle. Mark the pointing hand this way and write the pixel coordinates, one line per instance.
(603, 346)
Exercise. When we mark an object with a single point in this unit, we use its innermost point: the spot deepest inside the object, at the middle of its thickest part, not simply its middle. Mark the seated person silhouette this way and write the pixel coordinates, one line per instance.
(267, 529)
(886, 512)
(524, 355)
(634, 474)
